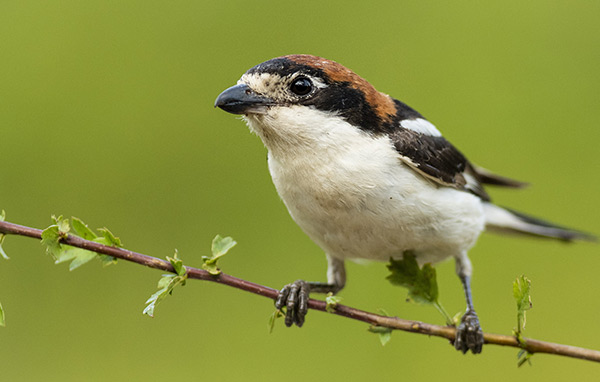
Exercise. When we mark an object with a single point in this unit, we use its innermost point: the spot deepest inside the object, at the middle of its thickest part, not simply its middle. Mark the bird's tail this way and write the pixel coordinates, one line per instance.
(501, 219)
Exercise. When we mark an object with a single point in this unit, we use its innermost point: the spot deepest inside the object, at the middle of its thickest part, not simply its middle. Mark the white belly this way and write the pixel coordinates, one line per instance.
(368, 205)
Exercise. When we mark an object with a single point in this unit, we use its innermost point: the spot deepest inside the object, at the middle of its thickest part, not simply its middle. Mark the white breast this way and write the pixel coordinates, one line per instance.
(353, 196)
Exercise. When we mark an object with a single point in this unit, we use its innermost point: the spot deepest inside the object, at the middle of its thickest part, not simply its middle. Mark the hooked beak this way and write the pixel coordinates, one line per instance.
(240, 99)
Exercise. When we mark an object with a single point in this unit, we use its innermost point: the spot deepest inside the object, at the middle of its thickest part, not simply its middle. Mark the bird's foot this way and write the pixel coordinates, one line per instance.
(294, 297)
(469, 335)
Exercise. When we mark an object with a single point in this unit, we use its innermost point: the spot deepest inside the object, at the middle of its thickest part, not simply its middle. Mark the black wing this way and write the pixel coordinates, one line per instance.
(438, 160)
(432, 156)
(488, 177)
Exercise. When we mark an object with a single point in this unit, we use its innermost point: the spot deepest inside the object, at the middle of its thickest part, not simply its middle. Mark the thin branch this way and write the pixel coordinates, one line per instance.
(531, 345)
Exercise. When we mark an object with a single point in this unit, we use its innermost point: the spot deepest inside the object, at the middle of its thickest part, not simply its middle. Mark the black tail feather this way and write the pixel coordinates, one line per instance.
(508, 220)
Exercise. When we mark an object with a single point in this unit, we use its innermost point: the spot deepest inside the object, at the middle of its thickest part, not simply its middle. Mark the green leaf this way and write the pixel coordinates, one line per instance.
(79, 256)
(109, 238)
(385, 334)
(107, 260)
(210, 268)
(165, 287)
(2, 318)
(2, 236)
(52, 235)
(524, 356)
(521, 293)
(50, 238)
(2, 253)
(177, 264)
(331, 301)
(62, 224)
(220, 246)
(421, 282)
(82, 230)
(276, 314)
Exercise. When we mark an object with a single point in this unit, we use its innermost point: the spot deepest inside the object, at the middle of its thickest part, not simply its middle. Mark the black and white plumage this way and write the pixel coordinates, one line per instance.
(368, 177)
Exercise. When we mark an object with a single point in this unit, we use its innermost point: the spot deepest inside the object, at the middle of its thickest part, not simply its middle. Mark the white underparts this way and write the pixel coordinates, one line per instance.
(351, 193)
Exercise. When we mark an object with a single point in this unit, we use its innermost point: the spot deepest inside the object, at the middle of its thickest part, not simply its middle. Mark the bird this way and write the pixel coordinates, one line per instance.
(366, 176)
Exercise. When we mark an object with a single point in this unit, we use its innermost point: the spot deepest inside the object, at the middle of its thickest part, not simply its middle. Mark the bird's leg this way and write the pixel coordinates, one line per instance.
(294, 297)
(469, 335)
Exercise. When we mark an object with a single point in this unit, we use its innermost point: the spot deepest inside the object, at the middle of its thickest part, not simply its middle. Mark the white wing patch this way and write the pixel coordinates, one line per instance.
(422, 126)
(472, 182)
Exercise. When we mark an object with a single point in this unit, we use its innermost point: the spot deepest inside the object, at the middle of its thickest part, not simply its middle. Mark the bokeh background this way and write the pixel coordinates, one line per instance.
(106, 113)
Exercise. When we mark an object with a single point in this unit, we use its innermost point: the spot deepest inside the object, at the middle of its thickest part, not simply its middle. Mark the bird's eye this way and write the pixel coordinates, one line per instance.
(301, 86)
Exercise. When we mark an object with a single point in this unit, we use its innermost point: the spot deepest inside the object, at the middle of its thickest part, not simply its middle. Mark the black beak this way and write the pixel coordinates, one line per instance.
(240, 99)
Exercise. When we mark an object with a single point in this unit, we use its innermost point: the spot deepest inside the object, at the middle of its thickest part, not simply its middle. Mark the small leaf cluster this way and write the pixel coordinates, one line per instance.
(331, 302)
(62, 253)
(166, 284)
(278, 313)
(219, 247)
(521, 293)
(385, 334)
(53, 236)
(420, 282)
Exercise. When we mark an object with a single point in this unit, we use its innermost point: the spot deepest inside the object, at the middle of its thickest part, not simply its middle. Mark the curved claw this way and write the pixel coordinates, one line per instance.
(294, 297)
(469, 335)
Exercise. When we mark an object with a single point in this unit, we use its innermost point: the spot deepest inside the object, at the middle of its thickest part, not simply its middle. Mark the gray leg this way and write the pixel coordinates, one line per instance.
(294, 296)
(469, 335)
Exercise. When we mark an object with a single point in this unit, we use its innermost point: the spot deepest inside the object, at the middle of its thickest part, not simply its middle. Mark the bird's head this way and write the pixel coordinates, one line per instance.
(301, 97)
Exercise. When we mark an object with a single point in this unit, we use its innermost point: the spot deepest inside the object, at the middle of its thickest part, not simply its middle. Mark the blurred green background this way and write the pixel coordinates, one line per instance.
(106, 113)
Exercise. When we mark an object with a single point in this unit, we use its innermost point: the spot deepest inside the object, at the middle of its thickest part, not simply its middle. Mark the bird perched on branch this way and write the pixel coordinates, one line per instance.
(368, 177)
